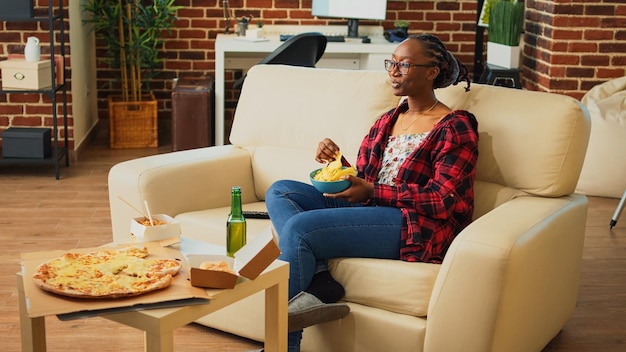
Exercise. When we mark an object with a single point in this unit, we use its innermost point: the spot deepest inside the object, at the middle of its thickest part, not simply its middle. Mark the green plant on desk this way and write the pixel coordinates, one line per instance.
(506, 21)
(402, 25)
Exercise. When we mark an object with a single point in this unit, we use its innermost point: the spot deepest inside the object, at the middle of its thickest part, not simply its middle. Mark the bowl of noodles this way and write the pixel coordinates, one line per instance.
(328, 179)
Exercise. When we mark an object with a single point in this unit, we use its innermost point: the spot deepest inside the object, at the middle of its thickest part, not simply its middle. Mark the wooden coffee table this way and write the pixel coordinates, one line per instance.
(158, 324)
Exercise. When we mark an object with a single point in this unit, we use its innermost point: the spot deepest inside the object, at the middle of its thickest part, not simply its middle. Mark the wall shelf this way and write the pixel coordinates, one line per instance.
(56, 25)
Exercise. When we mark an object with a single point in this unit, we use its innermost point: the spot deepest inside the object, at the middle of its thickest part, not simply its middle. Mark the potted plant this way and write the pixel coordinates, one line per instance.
(255, 32)
(400, 33)
(402, 26)
(506, 21)
(131, 31)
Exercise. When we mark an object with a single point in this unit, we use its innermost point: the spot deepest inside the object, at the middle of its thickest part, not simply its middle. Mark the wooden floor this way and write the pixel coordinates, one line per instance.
(40, 213)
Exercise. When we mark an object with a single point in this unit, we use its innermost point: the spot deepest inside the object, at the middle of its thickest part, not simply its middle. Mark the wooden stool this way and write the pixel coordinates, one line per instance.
(501, 76)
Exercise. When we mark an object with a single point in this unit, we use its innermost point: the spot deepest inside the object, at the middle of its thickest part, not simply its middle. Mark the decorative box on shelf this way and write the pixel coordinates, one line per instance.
(16, 10)
(21, 74)
(26, 142)
(59, 65)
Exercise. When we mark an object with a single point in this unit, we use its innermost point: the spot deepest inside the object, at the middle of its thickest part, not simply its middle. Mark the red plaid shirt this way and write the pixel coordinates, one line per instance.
(434, 186)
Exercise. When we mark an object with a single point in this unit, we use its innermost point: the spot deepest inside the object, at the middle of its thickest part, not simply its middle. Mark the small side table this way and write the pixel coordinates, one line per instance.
(158, 324)
(501, 76)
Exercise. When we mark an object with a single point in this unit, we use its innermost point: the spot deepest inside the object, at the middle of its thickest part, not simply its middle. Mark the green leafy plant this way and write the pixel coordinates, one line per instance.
(506, 20)
(401, 24)
(132, 32)
(484, 14)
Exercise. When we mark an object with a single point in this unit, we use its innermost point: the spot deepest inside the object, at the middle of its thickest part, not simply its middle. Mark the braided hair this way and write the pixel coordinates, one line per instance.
(451, 70)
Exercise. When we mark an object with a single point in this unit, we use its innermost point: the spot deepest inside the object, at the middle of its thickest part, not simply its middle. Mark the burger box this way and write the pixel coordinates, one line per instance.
(21, 74)
(248, 263)
(42, 303)
(143, 233)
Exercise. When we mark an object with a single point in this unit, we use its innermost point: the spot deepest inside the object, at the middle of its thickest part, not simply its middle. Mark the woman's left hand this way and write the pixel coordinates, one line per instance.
(358, 192)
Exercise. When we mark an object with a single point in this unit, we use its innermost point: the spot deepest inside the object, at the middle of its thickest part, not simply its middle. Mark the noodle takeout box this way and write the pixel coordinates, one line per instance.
(147, 233)
(249, 262)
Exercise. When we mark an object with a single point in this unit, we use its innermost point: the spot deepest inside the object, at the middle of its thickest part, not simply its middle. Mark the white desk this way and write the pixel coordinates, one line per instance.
(232, 52)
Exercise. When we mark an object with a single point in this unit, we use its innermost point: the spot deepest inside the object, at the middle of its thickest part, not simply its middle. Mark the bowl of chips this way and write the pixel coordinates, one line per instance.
(328, 186)
(328, 178)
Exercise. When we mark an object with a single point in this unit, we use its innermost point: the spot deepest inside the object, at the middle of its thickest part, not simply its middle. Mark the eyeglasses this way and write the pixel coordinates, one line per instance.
(402, 67)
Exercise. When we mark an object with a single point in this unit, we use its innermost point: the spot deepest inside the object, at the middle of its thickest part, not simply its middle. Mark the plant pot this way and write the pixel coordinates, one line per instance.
(241, 28)
(503, 55)
(404, 30)
(133, 124)
(254, 33)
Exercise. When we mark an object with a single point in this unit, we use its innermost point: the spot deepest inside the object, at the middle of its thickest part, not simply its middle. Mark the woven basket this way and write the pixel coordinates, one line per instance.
(133, 124)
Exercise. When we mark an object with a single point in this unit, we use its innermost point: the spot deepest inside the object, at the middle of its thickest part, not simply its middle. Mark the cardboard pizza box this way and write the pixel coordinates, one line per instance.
(148, 233)
(248, 263)
(43, 303)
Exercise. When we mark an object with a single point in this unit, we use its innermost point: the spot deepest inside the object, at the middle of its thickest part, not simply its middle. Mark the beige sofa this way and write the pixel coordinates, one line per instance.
(509, 281)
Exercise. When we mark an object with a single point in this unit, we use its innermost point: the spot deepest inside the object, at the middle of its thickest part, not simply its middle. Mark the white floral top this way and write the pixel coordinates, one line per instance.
(397, 150)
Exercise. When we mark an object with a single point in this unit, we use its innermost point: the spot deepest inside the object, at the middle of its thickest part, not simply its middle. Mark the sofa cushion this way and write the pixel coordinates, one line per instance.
(209, 225)
(392, 285)
(270, 164)
(488, 196)
(604, 170)
(537, 148)
(291, 121)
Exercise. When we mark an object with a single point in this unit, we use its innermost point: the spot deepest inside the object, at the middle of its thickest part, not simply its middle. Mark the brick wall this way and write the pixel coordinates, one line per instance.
(571, 45)
(452, 21)
(574, 45)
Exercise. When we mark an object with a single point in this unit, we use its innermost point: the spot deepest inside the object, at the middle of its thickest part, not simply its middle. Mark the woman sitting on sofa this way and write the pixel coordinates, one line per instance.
(412, 195)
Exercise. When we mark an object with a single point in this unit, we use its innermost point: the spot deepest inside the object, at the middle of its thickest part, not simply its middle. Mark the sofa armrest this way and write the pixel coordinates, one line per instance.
(177, 182)
(510, 280)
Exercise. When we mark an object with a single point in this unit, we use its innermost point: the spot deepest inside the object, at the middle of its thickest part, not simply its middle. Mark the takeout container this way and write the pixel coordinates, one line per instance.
(249, 262)
(143, 233)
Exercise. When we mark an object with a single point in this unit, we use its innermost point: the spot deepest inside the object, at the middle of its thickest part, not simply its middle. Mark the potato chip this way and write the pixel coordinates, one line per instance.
(334, 171)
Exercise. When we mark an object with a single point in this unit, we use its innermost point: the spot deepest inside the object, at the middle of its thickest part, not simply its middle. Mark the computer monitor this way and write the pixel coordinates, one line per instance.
(353, 10)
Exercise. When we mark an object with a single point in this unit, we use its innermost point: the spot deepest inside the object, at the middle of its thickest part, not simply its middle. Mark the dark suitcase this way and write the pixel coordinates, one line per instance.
(193, 113)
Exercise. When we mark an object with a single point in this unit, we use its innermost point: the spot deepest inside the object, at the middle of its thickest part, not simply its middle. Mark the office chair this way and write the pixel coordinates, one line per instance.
(304, 49)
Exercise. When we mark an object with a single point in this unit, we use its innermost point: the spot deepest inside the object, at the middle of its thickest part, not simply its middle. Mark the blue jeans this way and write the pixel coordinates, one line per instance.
(312, 229)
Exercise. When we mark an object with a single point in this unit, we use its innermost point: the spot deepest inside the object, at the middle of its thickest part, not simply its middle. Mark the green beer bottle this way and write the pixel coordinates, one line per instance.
(236, 224)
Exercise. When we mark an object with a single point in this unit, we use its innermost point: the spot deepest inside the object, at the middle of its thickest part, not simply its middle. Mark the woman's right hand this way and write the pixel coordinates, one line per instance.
(326, 151)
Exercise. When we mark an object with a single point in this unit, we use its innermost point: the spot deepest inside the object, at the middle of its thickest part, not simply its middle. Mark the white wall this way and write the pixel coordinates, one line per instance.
(83, 66)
